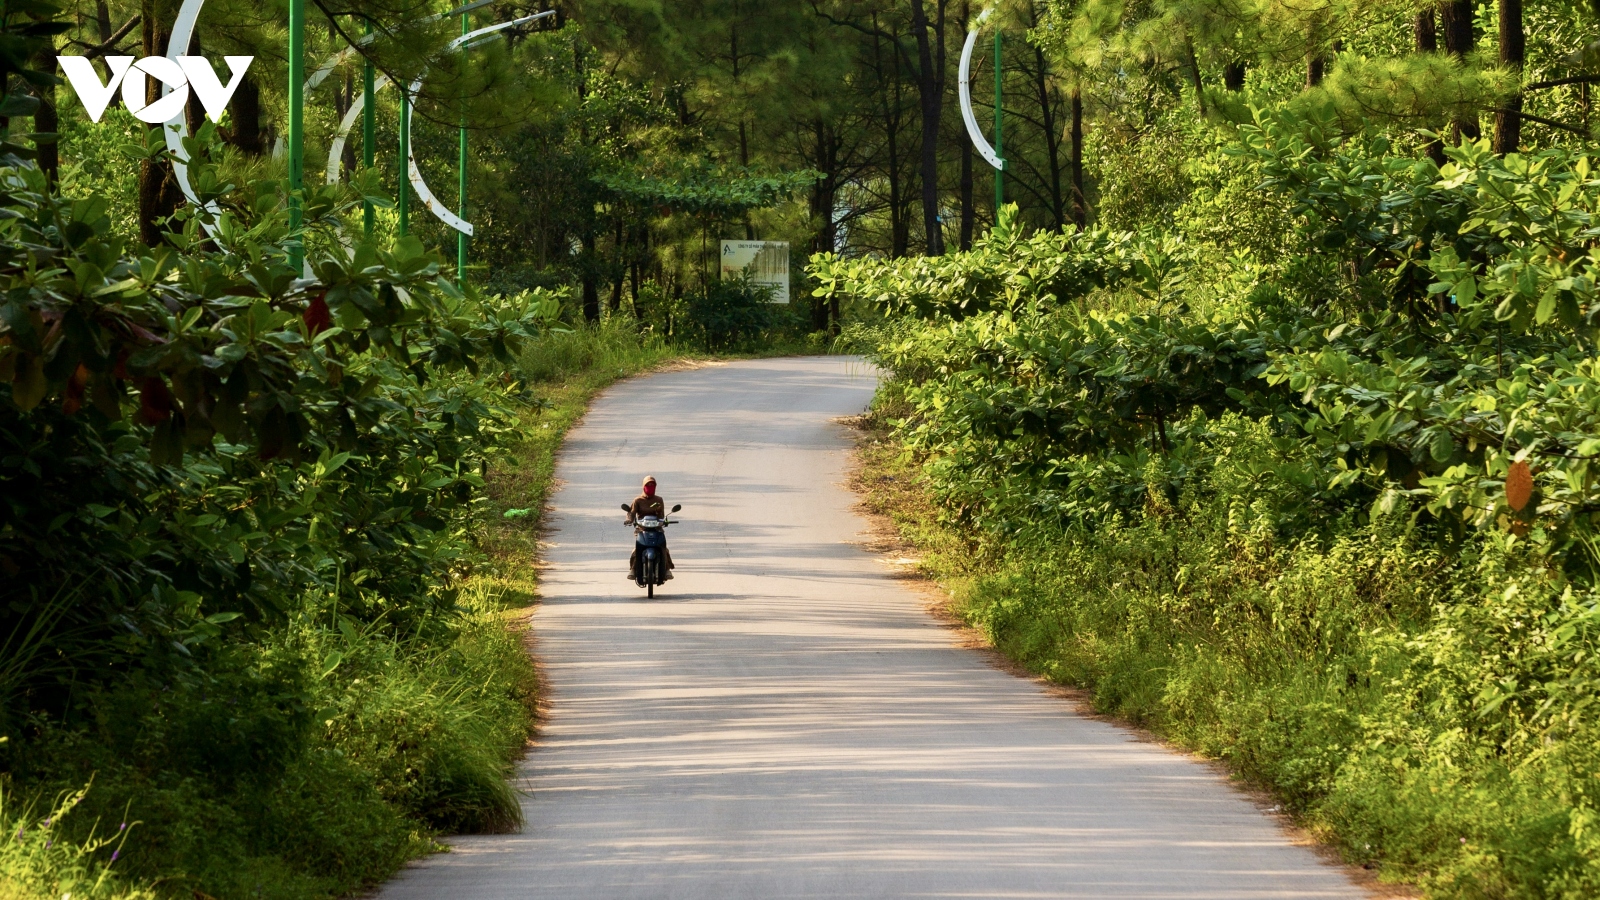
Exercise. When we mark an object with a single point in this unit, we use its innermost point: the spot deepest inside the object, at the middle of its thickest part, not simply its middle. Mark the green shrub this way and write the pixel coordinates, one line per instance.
(1319, 504)
(734, 314)
(238, 509)
(1430, 712)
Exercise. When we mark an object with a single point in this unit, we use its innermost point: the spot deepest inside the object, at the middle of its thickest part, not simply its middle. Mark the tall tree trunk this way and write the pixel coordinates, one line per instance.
(893, 104)
(1233, 75)
(641, 264)
(620, 268)
(1052, 142)
(45, 118)
(965, 187)
(244, 109)
(1513, 53)
(1455, 21)
(157, 193)
(1456, 24)
(899, 226)
(591, 290)
(930, 88)
(967, 211)
(1426, 30)
(1194, 77)
(744, 133)
(825, 157)
(1316, 63)
(1080, 201)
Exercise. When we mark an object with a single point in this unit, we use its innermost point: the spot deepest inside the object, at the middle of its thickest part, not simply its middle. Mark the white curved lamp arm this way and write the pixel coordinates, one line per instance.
(464, 42)
(336, 149)
(176, 128)
(965, 84)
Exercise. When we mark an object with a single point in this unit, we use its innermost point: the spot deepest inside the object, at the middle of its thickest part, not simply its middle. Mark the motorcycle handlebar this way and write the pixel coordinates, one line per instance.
(629, 509)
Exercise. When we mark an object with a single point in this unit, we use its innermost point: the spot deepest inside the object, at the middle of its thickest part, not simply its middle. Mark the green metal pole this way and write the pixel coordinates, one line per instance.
(461, 236)
(297, 104)
(999, 131)
(403, 196)
(369, 133)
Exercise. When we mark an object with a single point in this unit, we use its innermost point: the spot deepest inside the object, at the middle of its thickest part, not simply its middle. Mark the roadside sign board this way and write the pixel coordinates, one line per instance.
(764, 262)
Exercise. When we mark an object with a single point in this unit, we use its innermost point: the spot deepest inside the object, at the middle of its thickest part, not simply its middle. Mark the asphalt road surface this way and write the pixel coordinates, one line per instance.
(785, 720)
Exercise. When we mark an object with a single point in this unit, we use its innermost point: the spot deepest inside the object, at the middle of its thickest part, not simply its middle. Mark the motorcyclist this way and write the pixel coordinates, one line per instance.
(647, 504)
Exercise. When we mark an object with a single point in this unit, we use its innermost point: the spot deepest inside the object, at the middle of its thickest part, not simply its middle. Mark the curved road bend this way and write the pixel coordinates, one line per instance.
(785, 720)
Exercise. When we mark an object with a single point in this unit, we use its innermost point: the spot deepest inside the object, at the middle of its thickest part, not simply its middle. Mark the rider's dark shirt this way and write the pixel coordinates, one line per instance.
(647, 506)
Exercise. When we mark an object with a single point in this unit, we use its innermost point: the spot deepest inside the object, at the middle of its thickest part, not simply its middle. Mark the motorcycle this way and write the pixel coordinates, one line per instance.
(651, 542)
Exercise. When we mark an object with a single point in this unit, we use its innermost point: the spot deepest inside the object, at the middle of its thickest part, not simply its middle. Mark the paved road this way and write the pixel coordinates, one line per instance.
(785, 720)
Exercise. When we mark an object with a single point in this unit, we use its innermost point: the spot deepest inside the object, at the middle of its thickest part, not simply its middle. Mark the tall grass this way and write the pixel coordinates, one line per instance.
(612, 348)
(40, 860)
(306, 764)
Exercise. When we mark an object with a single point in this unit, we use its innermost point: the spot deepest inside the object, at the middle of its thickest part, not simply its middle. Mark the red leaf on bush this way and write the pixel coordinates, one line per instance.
(317, 317)
(74, 392)
(1519, 485)
(120, 370)
(155, 401)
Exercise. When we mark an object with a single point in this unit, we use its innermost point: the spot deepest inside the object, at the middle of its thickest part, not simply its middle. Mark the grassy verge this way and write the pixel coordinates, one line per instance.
(307, 763)
(1419, 709)
(324, 755)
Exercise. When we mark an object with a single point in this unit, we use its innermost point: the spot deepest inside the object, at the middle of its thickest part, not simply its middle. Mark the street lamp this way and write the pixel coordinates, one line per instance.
(461, 192)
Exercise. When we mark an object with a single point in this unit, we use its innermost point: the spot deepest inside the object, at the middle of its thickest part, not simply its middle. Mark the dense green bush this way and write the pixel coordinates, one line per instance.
(238, 507)
(1417, 354)
(1329, 514)
(1431, 711)
(734, 314)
